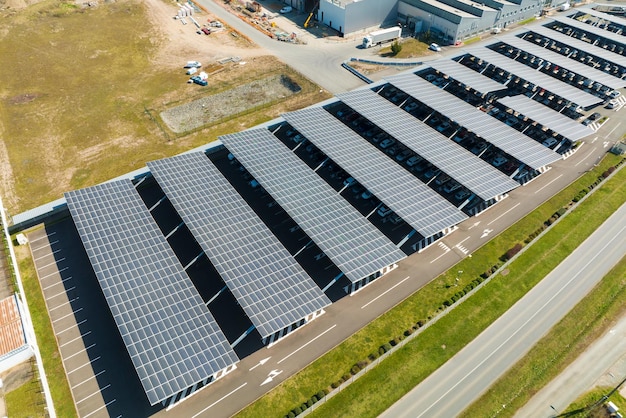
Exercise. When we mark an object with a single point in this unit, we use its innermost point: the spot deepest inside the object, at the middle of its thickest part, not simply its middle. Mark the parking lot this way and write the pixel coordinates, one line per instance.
(95, 360)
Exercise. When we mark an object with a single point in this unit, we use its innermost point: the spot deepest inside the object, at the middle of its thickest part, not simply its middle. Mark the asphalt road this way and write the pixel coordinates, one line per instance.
(467, 375)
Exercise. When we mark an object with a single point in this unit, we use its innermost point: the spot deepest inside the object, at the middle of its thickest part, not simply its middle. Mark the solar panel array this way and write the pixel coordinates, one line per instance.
(547, 117)
(590, 29)
(171, 337)
(341, 232)
(580, 45)
(540, 79)
(565, 62)
(511, 141)
(271, 287)
(421, 207)
(611, 18)
(459, 163)
(466, 76)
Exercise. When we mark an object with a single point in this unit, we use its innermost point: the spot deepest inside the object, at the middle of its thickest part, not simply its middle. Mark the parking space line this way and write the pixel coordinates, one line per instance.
(44, 237)
(69, 314)
(71, 327)
(103, 406)
(74, 339)
(95, 393)
(47, 255)
(54, 284)
(61, 293)
(51, 264)
(45, 246)
(86, 364)
(63, 304)
(88, 379)
(78, 352)
(53, 273)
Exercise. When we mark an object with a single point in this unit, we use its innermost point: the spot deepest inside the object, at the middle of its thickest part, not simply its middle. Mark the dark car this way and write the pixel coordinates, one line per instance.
(197, 80)
(594, 116)
(206, 31)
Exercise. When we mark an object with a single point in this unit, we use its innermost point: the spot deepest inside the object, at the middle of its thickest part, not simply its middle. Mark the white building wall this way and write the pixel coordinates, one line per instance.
(359, 16)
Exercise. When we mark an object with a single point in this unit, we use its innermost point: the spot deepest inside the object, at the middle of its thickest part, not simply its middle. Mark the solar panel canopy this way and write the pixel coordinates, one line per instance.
(421, 207)
(565, 62)
(596, 50)
(547, 117)
(341, 232)
(460, 164)
(171, 337)
(540, 79)
(613, 37)
(614, 19)
(466, 76)
(511, 141)
(271, 287)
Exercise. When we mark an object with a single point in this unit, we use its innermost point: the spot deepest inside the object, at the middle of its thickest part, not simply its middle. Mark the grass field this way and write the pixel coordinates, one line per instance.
(25, 401)
(79, 98)
(592, 397)
(367, 396)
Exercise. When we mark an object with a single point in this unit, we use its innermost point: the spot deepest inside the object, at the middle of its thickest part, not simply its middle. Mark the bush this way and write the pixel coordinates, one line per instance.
(387, 347)
(345, 377)
(355, 369)
(408, 332)
(420, 323)
(336, 384)
(396, 47)
(381, 350)
(297, 410)
(291, 414)
(321, 394)
(373, 356)
(310, 402)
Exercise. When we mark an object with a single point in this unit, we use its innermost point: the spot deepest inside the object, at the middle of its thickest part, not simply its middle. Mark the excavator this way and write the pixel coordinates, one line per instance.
(308, 19)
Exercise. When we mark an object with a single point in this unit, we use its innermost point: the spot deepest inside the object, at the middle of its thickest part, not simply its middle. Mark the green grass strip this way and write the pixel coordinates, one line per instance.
(402, 371)
(592, 397)
(26, 400)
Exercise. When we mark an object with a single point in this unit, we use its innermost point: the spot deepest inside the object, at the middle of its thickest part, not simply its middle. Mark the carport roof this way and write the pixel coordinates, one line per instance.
(466, 76)
(171, 337)
(580, 45)
(460, 164)
(549, 118)
(540, 79)
(348, 239)
(511, 141)
(601, 15)
(565, 62)
(420, 206)
(608, 35)
(271, 287)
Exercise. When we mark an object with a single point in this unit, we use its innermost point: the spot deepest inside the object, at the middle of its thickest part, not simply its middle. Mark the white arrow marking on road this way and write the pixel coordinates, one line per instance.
(271, 376)
(475, 224)
(486, 232)
(262, 362)
(605, 144)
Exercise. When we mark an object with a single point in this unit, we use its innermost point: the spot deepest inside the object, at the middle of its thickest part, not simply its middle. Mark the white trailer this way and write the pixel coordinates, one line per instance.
(380, 36)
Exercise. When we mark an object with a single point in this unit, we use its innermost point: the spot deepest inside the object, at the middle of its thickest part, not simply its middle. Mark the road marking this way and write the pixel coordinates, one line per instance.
(57, 283)
(260, 363)
(385, 292)
(88, 379)
(51, 264)
(549, 183)
(494, 220)
(44, 237)
(475, 225)
(80, 351)
(586, 156)
(95, 393)
(63, 304)
(86, 364)
(72, 327)
(103, 406)
(53, 273)
(594, 139)
(44, 246)
(74, 339)
(294, 352)
(271, 376)
(221, 399)
(486, 233)
(69, 314)
(613, 130)
(61, 293)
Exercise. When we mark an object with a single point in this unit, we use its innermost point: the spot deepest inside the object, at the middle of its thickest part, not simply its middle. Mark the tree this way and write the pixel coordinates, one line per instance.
(396, 48)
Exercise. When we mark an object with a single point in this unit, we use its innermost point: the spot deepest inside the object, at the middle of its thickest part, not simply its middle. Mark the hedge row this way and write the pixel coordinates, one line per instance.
(360, 365)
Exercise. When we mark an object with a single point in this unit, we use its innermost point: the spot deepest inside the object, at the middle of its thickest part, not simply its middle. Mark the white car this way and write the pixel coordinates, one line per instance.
(286, 9)
(434, 47)
(612, 104)
(193, 64)
(550, 142)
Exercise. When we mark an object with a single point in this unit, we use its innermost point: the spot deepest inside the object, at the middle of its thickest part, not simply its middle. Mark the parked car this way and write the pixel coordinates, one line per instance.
(191, 64)
(595, 116)
(413, 160)
(403, 155)
(383, 211)
(197, 80)
(612, 104)
(451, 186)
(550, 142)
(387, 143)
(434, 47)
(498, 161)
(463, 194)
(285, 9)
(349, 181)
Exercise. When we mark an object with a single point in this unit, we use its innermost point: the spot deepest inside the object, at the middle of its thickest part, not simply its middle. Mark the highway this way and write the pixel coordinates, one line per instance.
(458, 383)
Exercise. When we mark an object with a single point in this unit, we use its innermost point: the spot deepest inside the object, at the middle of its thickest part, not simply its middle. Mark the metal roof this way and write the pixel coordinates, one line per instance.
(271, 287)
(511, 141)
(169, 333)
(419, 205)
(565, 62)
(608, 35)
(580, 45)
(548, 117)
(466, 76)
(538, 78)
(460, 164)
(601, 15)
(356, 246)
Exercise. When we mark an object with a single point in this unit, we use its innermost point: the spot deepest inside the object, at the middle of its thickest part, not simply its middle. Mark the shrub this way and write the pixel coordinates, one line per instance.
(512, 251)
(345, 377)
(381, 350)
(606, 174)
(408, 332)
(336, 384)
(396, 47)
(373, 356)
(362, 364)
(310, 402)
(611, 169)
(355, 369)
(322, 393)
(291, 414)
(420, 323)
(561, 212)
(387, 347)
(297, 410)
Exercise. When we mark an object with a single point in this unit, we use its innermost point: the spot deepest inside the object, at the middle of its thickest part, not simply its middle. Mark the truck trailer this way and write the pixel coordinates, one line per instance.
(380, 36)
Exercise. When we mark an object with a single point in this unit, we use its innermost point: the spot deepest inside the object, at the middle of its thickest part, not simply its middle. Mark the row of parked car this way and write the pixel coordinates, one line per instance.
(607, 42)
